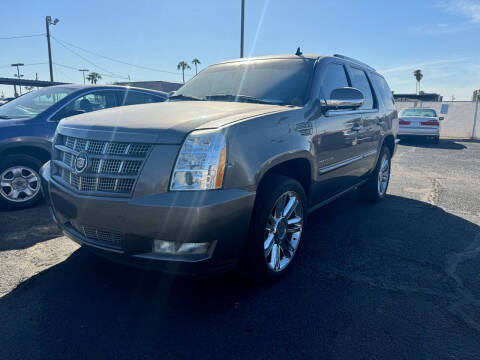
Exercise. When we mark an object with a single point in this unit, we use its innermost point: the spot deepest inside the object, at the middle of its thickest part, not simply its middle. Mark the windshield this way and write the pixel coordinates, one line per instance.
(279, 82)
(33, 103)
(419, 112)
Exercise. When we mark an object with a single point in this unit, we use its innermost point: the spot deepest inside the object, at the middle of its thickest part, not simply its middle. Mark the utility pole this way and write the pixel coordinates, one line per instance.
(242, 28)
(48, 22)
(83, 72)
(17, 65)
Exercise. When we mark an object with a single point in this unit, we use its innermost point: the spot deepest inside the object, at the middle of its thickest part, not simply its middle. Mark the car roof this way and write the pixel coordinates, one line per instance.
(78, 87)
(303, 56)
(273, 57)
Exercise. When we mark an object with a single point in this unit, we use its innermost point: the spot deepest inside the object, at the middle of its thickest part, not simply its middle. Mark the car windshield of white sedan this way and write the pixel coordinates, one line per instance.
(419, 112)
(277, 82)
(33, 103)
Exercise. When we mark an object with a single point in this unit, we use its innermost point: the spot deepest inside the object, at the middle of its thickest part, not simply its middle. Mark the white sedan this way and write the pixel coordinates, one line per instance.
(422, 122)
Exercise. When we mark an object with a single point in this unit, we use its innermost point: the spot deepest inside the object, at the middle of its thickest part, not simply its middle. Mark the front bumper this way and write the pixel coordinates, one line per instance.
(128, 226)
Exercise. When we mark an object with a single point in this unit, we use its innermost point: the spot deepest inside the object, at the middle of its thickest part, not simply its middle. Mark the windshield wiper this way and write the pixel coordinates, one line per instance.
(186, 97)
(240, 98)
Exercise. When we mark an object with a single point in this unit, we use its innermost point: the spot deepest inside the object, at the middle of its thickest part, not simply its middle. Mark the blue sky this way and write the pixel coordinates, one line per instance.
(441, 37)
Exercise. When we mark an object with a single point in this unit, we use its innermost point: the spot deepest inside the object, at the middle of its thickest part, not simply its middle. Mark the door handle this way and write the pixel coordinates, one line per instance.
(356, 127)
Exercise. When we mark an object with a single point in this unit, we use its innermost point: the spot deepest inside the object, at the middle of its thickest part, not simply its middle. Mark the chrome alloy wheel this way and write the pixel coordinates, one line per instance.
(19, 184)
(283, 231)
(383, 175)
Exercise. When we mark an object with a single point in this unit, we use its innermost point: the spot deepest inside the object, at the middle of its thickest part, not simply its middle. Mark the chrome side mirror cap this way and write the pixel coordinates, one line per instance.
(345, 98)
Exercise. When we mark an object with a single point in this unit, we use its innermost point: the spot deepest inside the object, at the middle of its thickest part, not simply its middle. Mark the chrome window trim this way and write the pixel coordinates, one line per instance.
(350, 112)
(342, 163)
(86, 92)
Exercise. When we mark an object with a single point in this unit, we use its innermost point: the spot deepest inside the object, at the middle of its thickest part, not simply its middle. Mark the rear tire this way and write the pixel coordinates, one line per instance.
(276, 228)
(376, 187)
(20, 183)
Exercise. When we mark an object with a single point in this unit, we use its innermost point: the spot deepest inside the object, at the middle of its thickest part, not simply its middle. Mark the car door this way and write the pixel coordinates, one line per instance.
(368, 134)
(335, 143)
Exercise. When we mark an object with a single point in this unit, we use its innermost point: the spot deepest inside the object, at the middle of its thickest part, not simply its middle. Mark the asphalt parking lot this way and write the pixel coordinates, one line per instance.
(395, 280)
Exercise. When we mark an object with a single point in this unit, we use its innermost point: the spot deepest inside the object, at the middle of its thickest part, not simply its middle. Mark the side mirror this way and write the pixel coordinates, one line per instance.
(441, 118)
(171, 93)
(345, 98)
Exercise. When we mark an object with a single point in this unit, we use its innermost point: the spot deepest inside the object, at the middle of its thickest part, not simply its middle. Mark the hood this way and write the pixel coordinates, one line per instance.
(168, 122)
(14, 122)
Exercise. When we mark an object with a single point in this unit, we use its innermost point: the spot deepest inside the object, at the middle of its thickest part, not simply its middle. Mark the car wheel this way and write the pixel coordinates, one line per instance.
(276, 228)
(376, 187)
(20, 183)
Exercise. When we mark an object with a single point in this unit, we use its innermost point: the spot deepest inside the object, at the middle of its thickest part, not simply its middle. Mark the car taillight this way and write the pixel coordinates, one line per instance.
(430, 123)
(403, 122)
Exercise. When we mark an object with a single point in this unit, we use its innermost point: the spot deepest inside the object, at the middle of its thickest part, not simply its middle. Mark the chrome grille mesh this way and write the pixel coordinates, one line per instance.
(100, 237)
(113, 167)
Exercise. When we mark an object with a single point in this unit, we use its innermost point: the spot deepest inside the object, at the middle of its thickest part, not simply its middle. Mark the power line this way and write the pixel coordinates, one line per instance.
(77, 68)
(20, 36)
(115, 60)
(85, 59)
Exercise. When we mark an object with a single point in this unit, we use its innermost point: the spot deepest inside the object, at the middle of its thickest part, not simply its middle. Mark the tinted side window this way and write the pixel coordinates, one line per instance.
(385, 92)
(135, 97)
(93, 101)
(360, 81)
(334, 78)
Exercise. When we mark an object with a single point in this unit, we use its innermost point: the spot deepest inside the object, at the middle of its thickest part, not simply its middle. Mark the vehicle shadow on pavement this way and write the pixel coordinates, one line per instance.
(20, 229)
(447, 144)
(376, 280)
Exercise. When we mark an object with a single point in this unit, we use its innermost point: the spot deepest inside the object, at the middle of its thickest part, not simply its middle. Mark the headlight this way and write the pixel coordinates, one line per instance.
(201, 162)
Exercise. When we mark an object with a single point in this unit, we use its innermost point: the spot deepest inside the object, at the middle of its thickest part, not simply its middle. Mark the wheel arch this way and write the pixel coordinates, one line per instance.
(38, 150)
(295, 165)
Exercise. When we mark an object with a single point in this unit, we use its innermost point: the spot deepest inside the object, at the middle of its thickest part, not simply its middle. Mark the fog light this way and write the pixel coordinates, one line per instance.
(176, 248)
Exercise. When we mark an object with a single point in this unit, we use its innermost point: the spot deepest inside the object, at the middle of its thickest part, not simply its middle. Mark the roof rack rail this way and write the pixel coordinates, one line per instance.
(353, 60)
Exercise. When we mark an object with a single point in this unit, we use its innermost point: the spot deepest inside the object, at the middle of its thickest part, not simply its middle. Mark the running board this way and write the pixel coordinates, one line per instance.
(336, 196)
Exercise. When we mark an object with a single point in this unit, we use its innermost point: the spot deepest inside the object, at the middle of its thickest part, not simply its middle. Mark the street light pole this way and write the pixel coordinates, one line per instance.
(83, 72)
(242, 28)
(48, 22)
(17, 65)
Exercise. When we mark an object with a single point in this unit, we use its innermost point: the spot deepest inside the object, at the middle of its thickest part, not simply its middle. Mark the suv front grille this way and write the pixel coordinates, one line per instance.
(112, 167)
(105, 238)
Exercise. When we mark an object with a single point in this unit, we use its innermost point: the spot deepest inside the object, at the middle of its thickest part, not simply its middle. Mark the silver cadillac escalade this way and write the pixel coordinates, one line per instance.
(226, 171)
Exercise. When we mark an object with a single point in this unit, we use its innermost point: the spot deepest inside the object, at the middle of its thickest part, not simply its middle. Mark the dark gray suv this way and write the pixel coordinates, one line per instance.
(226, 171)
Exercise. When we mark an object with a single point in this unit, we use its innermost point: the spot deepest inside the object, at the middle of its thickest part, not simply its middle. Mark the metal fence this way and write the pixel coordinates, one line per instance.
(461, 121)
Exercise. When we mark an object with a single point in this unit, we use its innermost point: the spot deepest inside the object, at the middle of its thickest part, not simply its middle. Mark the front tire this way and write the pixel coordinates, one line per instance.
(20, 183)
(276, 228)
(376, 187)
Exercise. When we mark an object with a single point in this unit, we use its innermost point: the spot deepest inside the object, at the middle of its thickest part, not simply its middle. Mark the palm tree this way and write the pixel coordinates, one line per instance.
(182, 65)
(93, 77)
(196, 62)
(418, 76)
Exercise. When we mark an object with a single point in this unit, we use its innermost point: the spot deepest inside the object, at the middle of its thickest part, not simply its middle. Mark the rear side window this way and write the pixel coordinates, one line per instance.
(135, 97)
(385, 92)
(360, 81)
(334, 78)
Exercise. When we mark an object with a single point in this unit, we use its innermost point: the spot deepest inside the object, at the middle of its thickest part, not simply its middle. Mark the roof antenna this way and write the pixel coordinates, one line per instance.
(299, 52)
